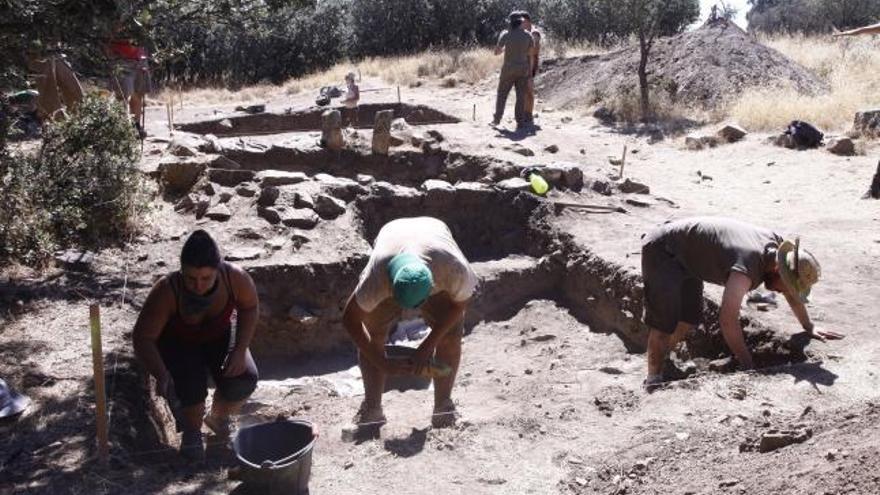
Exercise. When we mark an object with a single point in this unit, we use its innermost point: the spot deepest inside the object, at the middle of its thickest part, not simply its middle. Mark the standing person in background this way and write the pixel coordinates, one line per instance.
(352, 97)
(130, 77)
(535, 59)
(58, 88)
(516, 45)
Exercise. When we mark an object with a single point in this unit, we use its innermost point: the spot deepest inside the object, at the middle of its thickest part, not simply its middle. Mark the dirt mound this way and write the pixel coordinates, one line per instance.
(701, 68)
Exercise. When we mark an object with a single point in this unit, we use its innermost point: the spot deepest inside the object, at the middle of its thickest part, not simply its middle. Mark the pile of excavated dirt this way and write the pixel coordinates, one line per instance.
(703, 68)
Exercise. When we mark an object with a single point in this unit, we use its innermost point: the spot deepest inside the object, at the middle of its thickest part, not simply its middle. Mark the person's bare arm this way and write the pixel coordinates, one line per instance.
(426, 349)
(151, 321)
(738, 285)
(248, 308)
(803, 317)
(353, 320)
(872, 29)
(499, 47)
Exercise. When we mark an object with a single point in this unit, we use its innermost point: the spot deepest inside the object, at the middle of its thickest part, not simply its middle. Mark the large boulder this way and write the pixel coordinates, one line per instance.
(219, 213)
(693, 143)
(270, 214)
(437, 186)
(268, 196)
(867, 123)
(516, 184)
(280, 178)
(230, 178)
(782, 140)
(244, 254)
(180, 176)
(340, 187)
(731, 133)
(184, 146)
(842, 146)
(328, 207)
(299, 218)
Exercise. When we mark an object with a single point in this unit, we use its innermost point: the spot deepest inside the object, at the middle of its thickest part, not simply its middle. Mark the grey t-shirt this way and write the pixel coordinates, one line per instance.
(427, 238)
(517, 47)
(710, 248)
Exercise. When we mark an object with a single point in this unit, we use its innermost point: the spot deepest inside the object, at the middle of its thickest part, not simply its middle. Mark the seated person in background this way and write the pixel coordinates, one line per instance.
(196, 321)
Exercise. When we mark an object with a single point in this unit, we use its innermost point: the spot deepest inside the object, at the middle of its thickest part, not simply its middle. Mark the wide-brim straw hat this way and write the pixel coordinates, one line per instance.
(798, 268)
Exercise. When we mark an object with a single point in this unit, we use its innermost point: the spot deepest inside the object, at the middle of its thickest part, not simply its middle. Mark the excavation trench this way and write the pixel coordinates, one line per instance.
(519, 255)
(310, 120)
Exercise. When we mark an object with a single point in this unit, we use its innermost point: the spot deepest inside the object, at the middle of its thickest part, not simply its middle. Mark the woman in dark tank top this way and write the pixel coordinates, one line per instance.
(199, 321)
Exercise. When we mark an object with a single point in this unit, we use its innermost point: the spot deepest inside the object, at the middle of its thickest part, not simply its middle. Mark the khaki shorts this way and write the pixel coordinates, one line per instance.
(434, 310)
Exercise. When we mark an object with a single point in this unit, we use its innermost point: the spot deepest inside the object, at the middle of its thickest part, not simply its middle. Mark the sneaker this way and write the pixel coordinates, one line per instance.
(444, 415)
(369, 417)
(494, 123)
(192, 445)
(222, 428)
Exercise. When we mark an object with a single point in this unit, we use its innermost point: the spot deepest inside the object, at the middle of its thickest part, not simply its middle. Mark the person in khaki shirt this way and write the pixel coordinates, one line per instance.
(516, 45)
(535, 60)
(415, 263)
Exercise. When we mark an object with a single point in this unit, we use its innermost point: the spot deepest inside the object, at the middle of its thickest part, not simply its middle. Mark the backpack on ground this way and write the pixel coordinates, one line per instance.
(804, 134)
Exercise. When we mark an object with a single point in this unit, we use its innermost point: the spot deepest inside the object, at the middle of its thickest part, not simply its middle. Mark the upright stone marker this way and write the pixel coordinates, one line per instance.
(331, 130)
(382, 132)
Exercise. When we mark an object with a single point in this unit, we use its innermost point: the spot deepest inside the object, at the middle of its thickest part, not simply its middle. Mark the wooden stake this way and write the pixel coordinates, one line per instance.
(100, 392)
(475, 112)
(622, 162)
(398, 95)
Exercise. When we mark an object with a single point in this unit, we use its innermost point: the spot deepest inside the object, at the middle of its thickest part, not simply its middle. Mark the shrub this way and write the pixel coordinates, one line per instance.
(82, 189)
(91, 181)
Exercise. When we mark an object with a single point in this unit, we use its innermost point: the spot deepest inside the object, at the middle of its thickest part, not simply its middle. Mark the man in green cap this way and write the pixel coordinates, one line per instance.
(415, 263)
(678, 257)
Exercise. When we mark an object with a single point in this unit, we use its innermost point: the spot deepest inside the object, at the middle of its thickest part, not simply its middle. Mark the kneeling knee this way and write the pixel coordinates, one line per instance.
(238, 388)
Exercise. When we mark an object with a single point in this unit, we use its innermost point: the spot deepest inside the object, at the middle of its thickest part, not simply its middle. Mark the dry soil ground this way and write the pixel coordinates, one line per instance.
(547, 405)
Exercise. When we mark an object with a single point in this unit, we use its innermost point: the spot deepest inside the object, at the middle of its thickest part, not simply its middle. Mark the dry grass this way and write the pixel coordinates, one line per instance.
(848, 66)
(213, 95)
(449, 68)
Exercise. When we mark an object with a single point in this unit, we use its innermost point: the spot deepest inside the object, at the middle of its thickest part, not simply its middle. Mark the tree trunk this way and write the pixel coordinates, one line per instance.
(644, 51)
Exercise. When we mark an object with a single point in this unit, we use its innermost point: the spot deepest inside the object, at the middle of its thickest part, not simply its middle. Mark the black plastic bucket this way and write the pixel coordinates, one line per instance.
(276, 458)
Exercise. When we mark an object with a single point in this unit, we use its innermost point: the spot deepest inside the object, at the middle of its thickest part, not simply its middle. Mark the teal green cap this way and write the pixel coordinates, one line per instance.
(411, 280)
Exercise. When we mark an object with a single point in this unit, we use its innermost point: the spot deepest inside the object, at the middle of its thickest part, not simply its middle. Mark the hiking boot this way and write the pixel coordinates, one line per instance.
(444, 415)
(192, 445)
(222, 428)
